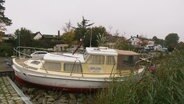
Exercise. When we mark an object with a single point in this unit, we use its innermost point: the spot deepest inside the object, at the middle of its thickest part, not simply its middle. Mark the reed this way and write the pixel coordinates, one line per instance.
(166, 86)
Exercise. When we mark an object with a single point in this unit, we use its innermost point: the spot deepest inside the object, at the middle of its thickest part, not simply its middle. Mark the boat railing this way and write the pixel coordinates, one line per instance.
(111, 75)
(21, 51)
(74, 66)
(81, 68)
(112, 71)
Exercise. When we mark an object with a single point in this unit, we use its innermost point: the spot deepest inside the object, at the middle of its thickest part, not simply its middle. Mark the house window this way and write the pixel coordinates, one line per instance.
(52, 66)
(68, 67)
(96, 59)
(110, 60)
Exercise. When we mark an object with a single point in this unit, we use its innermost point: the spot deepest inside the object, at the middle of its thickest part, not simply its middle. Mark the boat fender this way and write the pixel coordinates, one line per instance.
(152, 68)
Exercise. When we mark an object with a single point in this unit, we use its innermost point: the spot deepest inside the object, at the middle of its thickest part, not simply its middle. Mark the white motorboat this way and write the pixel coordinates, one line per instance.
(94, 69)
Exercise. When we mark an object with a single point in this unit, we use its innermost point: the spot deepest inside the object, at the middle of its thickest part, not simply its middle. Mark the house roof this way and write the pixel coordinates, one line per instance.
(48, 36)
(138, 37)
(37, 33)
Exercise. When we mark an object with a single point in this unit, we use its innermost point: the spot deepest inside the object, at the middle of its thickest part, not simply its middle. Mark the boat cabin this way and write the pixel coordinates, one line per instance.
(126, 59)
(100, 60)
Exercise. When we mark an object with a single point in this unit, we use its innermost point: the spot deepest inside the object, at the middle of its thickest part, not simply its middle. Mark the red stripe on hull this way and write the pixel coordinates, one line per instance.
(23, 82)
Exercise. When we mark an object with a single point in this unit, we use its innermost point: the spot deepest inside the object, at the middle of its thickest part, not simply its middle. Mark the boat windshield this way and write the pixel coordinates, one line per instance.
(85, 55)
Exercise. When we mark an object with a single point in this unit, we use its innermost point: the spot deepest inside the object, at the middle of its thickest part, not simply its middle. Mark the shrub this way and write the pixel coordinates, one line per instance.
(6, 49)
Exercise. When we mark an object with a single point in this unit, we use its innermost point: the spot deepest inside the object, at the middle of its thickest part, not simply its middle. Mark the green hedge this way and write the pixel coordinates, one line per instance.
(6, 49)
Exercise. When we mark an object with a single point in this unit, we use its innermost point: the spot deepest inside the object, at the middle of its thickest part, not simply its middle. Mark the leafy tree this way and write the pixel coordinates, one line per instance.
(82, 31)
(68, 37)
(158, 41)
(67, 27)
(122, 44)
(4, 21)
(154, 38)
(101, 39)
(113, 37)
(98, 36)
(180, 46)
(6, 49)
(24, 37)
(1, 35)
(171, 40)
(120, 41)
(91, 36)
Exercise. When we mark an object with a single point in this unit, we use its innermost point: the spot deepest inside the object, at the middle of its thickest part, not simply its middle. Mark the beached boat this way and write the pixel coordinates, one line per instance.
(94, 69)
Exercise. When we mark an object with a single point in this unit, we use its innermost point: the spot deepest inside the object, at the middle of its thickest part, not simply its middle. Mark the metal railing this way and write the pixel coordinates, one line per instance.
(19, 50)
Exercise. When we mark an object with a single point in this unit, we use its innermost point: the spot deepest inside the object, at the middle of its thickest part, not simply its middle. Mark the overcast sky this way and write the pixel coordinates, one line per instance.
(130, 17)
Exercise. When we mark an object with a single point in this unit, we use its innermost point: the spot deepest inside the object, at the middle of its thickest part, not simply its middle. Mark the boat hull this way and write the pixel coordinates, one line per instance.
(66, 83)
(22, 82)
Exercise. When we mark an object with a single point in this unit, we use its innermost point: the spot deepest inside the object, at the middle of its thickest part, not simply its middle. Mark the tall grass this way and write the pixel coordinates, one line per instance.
(166, 86)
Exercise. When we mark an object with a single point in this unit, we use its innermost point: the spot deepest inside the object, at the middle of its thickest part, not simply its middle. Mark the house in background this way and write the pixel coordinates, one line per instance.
(39, 35)
(135, 41)
(150, 45)
(60, 47)
(158, 48)
(151, 42)
(5, 37)
(142, 43)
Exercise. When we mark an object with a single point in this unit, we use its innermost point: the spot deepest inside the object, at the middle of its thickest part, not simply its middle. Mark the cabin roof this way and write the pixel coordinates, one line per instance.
(65, 57)
(101, 51)
(127, 53)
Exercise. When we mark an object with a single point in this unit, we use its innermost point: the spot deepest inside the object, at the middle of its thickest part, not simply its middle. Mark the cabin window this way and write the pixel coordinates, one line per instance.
(68, 67)
(128, 60)
(110, 60)
(96, 59)
(52, 66)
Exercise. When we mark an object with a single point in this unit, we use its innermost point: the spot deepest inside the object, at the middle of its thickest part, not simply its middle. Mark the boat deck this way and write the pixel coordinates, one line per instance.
(21, 62)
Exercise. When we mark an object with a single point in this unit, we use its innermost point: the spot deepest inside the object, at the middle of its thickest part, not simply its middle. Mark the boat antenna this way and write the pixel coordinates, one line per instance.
(81, 41)
(19, 44)
(90, 37)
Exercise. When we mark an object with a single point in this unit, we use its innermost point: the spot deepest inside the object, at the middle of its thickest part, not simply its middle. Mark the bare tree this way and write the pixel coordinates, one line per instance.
(67, 27)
